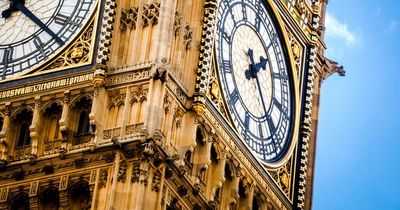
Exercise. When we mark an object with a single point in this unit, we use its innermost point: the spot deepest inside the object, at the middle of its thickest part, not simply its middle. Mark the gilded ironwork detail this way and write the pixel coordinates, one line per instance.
(297, 51)
(283, 177)
(78, 53)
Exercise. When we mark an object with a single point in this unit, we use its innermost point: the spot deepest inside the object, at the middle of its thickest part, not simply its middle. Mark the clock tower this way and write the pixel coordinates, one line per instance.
(160, 104)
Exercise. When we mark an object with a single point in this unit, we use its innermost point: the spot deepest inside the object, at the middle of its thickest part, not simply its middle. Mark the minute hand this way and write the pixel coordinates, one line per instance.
(38, 22)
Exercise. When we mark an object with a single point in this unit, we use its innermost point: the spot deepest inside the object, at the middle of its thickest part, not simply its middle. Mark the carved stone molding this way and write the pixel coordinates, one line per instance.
(128, 18)
(183, 29)
(135, 173)
(123, 165)
(138, 94)
(156, 182)
(148, 14)
(178, 23)
(103, 176)
(116, 99)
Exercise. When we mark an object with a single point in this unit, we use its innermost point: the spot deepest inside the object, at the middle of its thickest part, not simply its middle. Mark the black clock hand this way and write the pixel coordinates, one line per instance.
(265, 109)
(252, 72)
(38, 22)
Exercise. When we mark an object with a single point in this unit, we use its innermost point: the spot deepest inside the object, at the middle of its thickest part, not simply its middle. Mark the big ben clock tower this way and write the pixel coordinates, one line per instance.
(160, 104)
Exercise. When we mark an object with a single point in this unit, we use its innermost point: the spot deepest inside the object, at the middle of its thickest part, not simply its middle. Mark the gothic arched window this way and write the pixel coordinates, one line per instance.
(82, 128)
(79, 196)
(83, 123)
(199, 137)
(52, 118)
(228, 172)
(24, 135)
(255, 205)
(49, 199)
(22, 138)
(188, 160)
(214, 155)
(20, 201)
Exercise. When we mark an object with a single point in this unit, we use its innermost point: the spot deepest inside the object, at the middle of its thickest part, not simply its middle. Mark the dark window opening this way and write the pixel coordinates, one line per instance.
(255, 205)
(24, 137)
(20, 202)
(199, 137)
(242, 190)
(214, 155)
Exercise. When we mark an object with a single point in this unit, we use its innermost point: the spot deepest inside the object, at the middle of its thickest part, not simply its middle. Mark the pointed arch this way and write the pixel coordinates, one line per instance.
(20, 127)
(49, 198)
(20, 201)
(80, 121)
(79, 195)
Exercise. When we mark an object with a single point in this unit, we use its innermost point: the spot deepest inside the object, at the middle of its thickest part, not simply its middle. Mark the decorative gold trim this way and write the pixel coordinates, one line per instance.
(78, 54)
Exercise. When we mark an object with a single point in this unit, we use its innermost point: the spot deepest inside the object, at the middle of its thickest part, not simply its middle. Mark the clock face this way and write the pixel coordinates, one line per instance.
(254, 77)
(31, 31)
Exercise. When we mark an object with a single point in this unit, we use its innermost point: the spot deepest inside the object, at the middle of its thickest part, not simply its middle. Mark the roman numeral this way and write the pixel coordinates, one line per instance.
(273, 40)
(8, 53)
(62, 19)
(234, 96)
(257, 24)
(279, 76)
(226, 66)
(246, 121)
(260, 130)
(244, 12)
(277, 104)
(232, 17)
(226, 37)
(271, 126)
(39, 45)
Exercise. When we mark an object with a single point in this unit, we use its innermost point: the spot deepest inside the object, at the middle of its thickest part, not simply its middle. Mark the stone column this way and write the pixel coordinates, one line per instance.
(64, 120)
(35, 127)
(4, 138)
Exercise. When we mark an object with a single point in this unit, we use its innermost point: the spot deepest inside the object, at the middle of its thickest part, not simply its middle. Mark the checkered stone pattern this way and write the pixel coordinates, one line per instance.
(206, 47)
(107, 22)
(306, 129)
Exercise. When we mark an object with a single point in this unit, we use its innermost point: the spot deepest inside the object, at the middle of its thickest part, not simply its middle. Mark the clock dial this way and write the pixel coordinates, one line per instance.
(32, 31)
(254, 77)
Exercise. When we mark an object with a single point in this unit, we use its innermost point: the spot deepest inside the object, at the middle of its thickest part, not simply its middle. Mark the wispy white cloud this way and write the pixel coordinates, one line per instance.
(392, 26)
(339, 30)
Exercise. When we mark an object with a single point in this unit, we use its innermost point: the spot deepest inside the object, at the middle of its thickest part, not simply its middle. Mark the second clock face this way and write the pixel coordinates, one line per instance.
(31, 31)
(254, 76)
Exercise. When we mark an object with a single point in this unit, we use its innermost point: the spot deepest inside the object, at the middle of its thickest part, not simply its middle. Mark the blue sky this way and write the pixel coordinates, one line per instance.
(358, 148)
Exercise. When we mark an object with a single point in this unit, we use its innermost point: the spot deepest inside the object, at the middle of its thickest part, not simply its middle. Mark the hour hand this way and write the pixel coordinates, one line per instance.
(7, 13)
